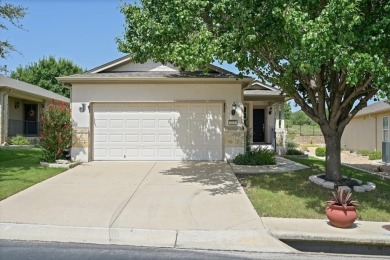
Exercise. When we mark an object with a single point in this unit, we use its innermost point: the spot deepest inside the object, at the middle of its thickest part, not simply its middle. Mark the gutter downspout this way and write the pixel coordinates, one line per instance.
(376, 131)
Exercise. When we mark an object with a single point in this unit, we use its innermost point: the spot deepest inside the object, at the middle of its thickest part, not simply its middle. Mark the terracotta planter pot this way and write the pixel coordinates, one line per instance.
(340, 217)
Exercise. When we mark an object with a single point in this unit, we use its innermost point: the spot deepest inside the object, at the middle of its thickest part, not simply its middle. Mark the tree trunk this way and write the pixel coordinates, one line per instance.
(333, 156)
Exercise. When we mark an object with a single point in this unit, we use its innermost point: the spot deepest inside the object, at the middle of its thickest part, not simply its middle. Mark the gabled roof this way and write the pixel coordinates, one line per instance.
(124, 69)
(378, 107)
(14, 84)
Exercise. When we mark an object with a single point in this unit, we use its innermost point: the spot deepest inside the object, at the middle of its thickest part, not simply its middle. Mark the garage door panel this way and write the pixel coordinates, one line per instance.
(132, 138)
(132, 153)
(133, 123)
(174, 131)
(149, 123)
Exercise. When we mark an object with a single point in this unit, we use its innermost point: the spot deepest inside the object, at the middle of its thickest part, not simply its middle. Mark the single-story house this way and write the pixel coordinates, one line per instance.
(368, 128)
(21, 104)
(128, 111)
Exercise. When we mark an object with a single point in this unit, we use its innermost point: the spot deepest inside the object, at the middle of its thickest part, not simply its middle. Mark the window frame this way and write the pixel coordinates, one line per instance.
(385, 131)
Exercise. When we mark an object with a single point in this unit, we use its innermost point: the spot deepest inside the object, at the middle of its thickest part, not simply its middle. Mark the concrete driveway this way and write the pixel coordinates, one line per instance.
(186, 204)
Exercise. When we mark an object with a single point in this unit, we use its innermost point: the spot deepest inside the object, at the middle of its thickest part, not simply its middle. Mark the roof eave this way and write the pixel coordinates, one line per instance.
(68, 81)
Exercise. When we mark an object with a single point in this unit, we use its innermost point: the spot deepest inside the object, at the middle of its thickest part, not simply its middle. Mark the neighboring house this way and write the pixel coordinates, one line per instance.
(368, 128)
(21, 104)
(127, 111)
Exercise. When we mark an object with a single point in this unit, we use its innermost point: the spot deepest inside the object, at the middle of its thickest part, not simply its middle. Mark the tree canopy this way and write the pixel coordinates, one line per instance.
(300, 118)
(9, 15)
(44, 72)
(329, 55)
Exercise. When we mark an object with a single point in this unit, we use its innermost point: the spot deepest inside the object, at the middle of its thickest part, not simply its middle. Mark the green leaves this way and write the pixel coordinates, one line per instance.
(44, 72)
(9, 15)
(311, 49)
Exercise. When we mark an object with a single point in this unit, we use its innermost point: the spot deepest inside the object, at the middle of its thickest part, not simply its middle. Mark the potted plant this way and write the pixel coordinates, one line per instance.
(341, 210)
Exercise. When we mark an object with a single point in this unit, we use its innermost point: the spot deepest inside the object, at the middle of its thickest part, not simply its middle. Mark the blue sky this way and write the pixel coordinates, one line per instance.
(83, 31)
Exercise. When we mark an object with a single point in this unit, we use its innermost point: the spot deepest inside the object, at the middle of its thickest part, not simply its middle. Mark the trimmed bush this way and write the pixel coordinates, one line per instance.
(19, 140)
(375, 155)
(294, 152)
(321, 151)
(258, 157)
(291, 145)
(56, 130)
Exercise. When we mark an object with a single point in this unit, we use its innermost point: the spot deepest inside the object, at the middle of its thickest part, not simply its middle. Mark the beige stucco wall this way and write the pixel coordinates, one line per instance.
(364, 133)
(148, 92)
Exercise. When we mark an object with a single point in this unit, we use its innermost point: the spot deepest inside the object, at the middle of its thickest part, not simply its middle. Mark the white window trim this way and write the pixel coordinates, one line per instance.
(385, 129)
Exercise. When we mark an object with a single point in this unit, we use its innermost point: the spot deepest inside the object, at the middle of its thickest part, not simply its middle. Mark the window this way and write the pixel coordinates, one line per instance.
(385, 128)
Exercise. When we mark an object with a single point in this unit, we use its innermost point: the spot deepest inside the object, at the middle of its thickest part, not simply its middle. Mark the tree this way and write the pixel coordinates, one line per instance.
(44, 72)
(300, 118)
(325, 54)
(9, 14)
(287, 111)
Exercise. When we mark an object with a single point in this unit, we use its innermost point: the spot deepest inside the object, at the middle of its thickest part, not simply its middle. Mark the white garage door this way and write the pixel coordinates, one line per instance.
(162, 131)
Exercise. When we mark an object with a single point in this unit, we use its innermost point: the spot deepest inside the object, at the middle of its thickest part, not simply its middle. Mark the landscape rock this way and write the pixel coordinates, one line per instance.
(372, 185)
(318, 181)
(344, 188)
(328, 184)
(357, 180)
(359, 189)
(367, 187)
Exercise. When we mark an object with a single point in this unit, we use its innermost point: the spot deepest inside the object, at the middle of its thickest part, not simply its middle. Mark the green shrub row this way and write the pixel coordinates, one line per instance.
(321, 151)
(291, 145)
(19, 140)
(257, 157)
(293, 151)
(375, 155)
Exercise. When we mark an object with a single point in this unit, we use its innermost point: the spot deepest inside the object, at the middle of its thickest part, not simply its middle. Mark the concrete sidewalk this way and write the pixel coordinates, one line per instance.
(365, 232)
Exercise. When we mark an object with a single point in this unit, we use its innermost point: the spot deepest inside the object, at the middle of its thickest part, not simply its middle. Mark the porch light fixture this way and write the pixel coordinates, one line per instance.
(234, 107)
(270, 111)
(82, 108)
(17, 104)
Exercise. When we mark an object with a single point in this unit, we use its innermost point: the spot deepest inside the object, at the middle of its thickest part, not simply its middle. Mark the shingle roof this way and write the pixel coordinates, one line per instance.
(149, 74)
(253, 92)
(29, 88)
(377, 107)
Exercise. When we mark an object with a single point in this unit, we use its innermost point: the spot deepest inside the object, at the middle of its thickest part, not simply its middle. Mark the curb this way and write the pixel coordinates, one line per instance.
(226, 240)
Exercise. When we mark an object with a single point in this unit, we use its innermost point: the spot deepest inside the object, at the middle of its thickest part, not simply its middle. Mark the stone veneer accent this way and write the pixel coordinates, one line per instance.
(80, 137)
(234, 138)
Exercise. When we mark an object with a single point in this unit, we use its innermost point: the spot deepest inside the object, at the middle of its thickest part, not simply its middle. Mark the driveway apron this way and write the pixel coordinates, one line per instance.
(131, 201)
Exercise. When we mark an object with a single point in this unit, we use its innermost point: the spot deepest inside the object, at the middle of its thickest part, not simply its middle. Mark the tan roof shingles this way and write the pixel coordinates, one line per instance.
(31, 89)
(377, 107)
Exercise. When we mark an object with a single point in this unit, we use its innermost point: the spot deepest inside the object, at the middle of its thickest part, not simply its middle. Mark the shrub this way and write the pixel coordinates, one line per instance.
(294, 151)
(321, 151)
(56, 130)
(258, 157)
(363, 152)
(291, 145)
(375, 155)
(19, 140)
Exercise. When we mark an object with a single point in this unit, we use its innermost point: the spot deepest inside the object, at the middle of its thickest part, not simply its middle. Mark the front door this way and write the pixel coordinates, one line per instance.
(258, 125)
(30, 119)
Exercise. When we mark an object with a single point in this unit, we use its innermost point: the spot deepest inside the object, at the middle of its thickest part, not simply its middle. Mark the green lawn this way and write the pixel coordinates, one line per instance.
(20, 169)
(292, 195)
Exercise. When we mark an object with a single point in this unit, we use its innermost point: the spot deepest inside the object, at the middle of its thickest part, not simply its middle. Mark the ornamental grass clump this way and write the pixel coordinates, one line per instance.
(56, 130)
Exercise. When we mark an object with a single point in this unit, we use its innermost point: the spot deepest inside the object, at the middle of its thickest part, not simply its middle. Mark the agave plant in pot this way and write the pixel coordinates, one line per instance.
(341, 210)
